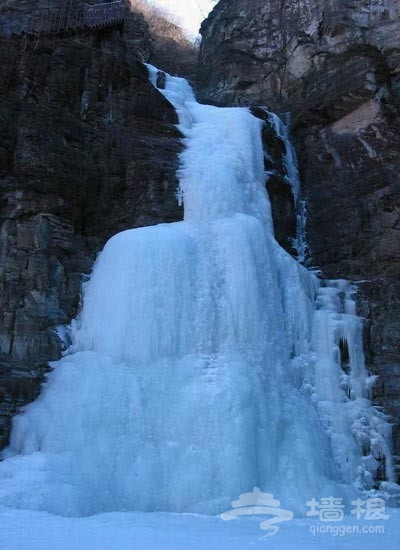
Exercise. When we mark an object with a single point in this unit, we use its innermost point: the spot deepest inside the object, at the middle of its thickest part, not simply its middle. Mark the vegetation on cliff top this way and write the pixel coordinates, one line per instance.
(172, 50)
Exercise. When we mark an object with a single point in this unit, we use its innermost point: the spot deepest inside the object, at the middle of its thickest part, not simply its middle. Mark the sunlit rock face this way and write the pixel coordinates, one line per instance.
(285, 52)
(335, 66)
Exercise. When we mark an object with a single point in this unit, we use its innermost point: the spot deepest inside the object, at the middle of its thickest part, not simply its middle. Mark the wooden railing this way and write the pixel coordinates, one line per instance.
(71, 16)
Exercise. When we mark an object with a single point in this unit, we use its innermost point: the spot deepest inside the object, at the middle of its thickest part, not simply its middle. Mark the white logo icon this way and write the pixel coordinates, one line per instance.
(258, 503)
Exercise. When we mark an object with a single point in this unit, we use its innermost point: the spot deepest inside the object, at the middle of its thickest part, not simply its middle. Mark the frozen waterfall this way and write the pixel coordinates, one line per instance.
(292, 174)
(206, 361)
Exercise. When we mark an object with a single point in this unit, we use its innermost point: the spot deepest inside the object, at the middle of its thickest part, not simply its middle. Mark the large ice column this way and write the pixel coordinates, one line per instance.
(201, 363)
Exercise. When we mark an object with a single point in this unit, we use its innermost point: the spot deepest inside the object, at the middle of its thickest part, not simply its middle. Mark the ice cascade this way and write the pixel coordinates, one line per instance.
(293, 178)
(206, 361)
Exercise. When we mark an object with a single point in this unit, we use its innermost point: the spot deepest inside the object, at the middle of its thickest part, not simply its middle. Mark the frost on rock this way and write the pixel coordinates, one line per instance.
(206, 361)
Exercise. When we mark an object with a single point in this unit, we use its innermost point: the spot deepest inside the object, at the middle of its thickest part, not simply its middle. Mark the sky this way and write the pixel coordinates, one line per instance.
(188, 13)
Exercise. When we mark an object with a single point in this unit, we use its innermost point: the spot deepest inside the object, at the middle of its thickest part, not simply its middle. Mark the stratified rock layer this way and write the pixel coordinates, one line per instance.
(335, 65)
(88, 147)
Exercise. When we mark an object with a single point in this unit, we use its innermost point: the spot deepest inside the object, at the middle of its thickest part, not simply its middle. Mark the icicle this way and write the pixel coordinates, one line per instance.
(292, 174)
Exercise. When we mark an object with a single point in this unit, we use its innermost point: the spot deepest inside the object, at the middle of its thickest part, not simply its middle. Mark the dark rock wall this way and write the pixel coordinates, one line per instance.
(335, 66)
(87, 148)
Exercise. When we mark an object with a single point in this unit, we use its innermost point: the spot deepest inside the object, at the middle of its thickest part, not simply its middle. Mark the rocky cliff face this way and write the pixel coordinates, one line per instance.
(335, 66)
(87, 148)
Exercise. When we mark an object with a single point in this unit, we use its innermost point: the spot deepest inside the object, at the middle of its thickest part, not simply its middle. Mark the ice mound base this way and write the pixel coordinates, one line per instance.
(206, 361)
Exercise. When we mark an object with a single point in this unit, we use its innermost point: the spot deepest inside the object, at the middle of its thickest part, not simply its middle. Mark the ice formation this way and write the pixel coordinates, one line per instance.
(293, 177)
(206, 361)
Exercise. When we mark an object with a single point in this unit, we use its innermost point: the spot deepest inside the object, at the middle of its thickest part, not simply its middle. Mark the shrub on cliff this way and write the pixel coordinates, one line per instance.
(171, 49)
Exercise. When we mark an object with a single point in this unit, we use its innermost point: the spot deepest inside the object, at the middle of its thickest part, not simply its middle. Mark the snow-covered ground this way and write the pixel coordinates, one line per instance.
(24, 530)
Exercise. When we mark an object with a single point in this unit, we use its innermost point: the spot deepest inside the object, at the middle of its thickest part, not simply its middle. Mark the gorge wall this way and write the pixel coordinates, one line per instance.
(88, 147)
(335, 66)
